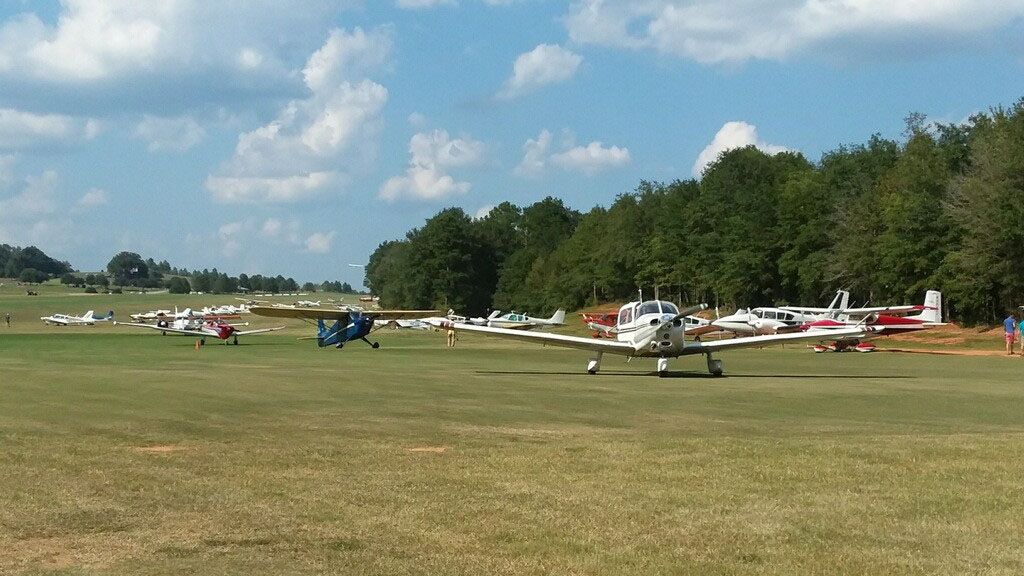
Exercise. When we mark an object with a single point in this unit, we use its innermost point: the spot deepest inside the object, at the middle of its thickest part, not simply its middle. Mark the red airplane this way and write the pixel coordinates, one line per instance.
(218, 329)
(928, 315)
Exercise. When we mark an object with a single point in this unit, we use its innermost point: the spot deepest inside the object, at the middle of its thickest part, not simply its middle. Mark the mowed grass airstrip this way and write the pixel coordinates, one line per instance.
(125, 452)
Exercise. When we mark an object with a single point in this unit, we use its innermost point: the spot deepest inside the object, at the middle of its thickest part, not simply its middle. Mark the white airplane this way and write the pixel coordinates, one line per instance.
(195, 327)
(651, 329)
(883, 320)
(524, 322)
(87, 319)
(770, 320)
(151, 315)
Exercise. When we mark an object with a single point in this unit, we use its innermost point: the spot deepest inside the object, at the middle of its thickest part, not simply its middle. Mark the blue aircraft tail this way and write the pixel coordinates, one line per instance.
(326, 336)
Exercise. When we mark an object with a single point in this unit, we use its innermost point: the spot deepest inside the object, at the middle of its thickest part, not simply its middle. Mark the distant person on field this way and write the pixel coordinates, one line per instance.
(1020, 334)
(1010, 328)
(7, 318)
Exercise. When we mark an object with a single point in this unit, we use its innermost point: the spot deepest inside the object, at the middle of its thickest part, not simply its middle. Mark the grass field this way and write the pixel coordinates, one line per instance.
(133, 453)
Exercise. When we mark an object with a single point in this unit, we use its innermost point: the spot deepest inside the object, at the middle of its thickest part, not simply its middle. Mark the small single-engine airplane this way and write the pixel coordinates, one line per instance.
(883, 321)
(191, 326)
(87, 319)
(524, 322)
(348, 325)
(603, 324)
(769, 320)
(651, 329)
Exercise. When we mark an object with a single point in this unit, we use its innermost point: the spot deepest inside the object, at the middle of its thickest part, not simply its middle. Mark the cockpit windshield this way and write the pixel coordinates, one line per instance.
(657, 307)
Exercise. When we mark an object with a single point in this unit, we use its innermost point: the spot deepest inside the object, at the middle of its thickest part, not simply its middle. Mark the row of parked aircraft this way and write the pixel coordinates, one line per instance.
(641, 329)
(87, 319)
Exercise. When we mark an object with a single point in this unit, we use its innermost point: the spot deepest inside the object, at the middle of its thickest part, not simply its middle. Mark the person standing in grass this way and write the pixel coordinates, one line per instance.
(1010, 328)
(1020, 334)
(7, 318)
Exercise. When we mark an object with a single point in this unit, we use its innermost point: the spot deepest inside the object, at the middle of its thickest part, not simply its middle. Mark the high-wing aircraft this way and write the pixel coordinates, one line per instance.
(769, 320)
(883, 321)
(348, 325)
(524, 322)
(87, 319)
(651, 329)
(195, 327)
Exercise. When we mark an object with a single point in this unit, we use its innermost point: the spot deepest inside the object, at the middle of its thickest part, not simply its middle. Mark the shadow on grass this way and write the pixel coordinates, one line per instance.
(696, 375)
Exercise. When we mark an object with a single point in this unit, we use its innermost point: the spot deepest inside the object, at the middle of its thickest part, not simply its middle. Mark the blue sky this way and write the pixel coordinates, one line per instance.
(293, 137)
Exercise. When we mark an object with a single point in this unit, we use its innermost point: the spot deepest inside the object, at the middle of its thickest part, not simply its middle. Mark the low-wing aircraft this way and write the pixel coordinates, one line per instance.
(603, 324)
(348, 325)
(523, 322)
(651, 329)
(195, 327)
(770, 320)
(87, 319)
(883, 321)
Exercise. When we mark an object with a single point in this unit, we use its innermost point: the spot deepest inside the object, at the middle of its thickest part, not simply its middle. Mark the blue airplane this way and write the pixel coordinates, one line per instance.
(348, 325)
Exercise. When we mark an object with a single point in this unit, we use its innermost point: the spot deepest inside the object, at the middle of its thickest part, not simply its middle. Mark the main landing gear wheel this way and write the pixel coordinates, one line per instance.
(594, 364)
(714, 366)
(236, 341)
(202, 341)
(662, 367)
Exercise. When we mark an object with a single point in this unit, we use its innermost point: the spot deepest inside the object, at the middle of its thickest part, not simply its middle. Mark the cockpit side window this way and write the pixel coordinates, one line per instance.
(626, 315)
(669, 308)
(648, 308)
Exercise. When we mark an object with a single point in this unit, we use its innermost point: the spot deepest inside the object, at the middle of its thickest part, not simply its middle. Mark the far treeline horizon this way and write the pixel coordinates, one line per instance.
(942, 208)
(32, 265)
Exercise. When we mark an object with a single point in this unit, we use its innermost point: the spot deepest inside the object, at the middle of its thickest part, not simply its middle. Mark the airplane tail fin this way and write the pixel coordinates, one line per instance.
(88, 315)
(841, 300)
(932, 307)
(558, 318)
(326, 336)
(494, 315)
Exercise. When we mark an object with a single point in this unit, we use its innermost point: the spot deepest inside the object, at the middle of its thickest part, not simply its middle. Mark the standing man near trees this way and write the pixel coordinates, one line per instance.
(1020, 334)
(1010, 328)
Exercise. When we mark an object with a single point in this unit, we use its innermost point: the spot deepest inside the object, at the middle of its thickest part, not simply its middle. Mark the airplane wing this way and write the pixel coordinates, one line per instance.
(258, 331)
(856, 312)
(545, 338)
(342, 315)
(169, 329)
(807, 309)
(756, 341)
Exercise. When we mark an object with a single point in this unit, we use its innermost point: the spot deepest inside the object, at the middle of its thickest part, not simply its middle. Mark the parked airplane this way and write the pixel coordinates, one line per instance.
(603, 324)
(651, 329)
(770, 320)
(348, 325)
(87, 319)
(195, 327)
(524, 322)
(883, 321)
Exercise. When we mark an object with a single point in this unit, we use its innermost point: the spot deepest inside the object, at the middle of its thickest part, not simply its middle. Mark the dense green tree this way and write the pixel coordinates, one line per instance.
(127, 268)
(178, 285)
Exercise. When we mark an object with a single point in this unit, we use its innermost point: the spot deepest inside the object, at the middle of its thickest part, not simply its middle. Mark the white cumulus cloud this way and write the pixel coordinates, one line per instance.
(432, 155)
(732, 135)
(714, 31)
(592, 158)
(545, 64)
(315, 143)
(589, 159)
(319, 242)
(93, 197)
(22, 130)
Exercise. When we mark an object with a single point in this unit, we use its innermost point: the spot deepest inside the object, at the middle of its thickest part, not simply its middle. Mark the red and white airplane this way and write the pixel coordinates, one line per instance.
(194, 327)
(651, 329)
(883, 321)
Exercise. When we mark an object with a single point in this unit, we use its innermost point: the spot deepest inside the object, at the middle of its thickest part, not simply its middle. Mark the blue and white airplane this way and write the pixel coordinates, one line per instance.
(87, 319)
(349, 325)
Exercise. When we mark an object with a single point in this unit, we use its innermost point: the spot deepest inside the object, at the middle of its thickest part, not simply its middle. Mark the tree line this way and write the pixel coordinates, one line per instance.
(32, 265)
(940, 208)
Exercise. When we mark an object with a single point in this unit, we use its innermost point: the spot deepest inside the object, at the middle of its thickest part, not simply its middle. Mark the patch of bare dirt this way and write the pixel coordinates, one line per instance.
(430, 449)
(160, 449)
